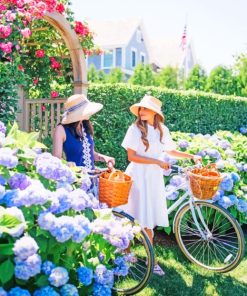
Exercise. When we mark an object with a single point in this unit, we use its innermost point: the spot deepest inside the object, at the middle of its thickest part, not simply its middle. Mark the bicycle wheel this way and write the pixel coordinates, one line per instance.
(222, 247)
(141, 268)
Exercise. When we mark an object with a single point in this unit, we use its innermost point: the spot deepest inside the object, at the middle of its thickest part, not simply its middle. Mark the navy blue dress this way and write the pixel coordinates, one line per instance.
(77, 150)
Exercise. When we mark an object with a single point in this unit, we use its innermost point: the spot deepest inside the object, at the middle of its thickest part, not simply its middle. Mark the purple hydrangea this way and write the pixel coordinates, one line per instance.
(7, 158)
(47, 267)
(239, 166)
(17, 291)
(220, 164)
(69, 290)
(176, 181)
(224, 144)
(122, 268)
(213, 153)
(27, 268)
(59, 276)
(85, 275)
(25, 247)
(45, 291)
(171, 194)
(101, 290)
(19, 181)
(51, 167)
(183, 144)
(104, 276)
(80, 200)
(230, 153)
(65, 186)
(2, 127)
(245, 167)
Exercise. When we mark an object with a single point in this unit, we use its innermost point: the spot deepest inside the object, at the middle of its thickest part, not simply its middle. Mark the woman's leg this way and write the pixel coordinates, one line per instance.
(150, 234)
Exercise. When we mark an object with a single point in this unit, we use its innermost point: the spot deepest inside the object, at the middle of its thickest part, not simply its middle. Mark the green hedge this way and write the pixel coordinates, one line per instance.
(185, 111)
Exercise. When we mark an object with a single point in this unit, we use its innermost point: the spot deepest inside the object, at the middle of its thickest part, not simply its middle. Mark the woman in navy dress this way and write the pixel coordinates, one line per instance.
(74, 136)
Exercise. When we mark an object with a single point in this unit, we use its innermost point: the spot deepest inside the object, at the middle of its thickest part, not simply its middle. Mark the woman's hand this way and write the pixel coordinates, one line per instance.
(110, 161)
(164, 165)
(197, 159)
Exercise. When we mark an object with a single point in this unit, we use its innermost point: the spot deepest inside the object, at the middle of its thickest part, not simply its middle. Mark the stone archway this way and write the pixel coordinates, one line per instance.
(60, 23)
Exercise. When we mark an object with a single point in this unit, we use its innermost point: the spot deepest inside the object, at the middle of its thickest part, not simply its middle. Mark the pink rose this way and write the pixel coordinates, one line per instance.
(54, 94)
(10, 16)
(26, 33)
(6, 47)
(60, 8)
(40, 53)
(20, 68)
(81, 29)
(5, 31)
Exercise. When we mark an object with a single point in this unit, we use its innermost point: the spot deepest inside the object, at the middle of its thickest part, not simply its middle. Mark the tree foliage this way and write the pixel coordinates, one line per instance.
(197, 78)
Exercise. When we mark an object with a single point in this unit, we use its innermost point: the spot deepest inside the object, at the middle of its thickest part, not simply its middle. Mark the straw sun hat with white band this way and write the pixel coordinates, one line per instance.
(78, 107)
(148, 102)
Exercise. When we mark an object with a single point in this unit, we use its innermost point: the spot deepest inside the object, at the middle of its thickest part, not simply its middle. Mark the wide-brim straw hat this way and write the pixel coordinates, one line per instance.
(148, 102)
(78, 107)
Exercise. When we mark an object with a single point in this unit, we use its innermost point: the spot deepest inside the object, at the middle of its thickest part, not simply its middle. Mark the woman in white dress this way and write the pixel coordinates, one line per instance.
(145, 141)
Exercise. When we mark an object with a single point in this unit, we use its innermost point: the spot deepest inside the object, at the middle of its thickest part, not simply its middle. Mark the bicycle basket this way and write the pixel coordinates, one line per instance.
(204, 182)
(114, 188)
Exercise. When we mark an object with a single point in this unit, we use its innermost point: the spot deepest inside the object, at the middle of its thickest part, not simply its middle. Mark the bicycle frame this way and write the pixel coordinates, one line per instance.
(184, 186)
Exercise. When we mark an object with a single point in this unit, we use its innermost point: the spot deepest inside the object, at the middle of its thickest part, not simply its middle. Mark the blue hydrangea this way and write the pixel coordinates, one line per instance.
(85, 275)
(17, 291)
(101, 290)
(19, 181)
(69, 290)
(47, 267)
(218, 195)
(28, 268)
(122, 268)
(45, 291)
(46, 220)
(242, 206)
(2, 127)
(239, 166)
(245, 167)
(7, 158)
(227, 183)
(2, 192)
(60, 201)
(59, 276)
(104, 276)
(64, 185)
(220, 164)
(243, 130)
(2, 180)
(3, 292)
(9, 197)
(235, 177)
(225, 202)
(51, 167)
(224, 144)
(25, 247)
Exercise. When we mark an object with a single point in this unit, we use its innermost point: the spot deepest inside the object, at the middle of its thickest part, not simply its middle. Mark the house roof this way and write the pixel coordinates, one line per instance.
(164, 52)
(113, 32)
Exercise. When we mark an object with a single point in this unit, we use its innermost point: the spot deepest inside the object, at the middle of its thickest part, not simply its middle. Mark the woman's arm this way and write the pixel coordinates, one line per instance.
(101, 157)
(180, 154)
(59, 137)
(134, 157)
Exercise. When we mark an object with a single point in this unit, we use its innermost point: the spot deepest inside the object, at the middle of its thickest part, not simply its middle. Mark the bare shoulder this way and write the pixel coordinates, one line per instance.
(59, 132)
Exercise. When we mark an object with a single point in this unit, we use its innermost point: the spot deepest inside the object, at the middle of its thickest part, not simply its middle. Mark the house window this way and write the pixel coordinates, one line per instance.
(118, 57)
(139, 36)
(133, 58)
(108, 59)
(142, 58)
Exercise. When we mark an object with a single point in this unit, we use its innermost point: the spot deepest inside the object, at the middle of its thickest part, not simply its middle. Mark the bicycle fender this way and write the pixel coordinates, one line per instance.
(182, 206)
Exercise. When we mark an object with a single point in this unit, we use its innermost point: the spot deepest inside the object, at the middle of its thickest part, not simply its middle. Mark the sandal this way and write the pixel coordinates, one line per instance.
(158, 270)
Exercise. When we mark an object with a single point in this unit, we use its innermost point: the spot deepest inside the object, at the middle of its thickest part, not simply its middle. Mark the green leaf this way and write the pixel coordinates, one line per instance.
(8, 221)
(6, 249)
(42, 281)
(6, 271)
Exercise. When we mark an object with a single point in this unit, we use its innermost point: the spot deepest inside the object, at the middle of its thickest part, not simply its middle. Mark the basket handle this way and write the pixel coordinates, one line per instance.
(116, 174)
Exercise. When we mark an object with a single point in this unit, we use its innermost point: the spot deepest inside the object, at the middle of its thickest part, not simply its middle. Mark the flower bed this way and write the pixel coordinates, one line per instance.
(55, 237)
(228, 151)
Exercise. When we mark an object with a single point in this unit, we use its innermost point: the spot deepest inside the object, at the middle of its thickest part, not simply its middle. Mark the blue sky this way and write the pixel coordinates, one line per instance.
(218, 27)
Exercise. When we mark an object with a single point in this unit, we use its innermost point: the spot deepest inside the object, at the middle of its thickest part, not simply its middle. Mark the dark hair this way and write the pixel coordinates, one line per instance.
(74, 128)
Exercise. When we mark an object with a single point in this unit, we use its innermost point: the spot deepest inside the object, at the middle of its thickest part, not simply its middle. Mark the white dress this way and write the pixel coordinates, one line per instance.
(147, 203)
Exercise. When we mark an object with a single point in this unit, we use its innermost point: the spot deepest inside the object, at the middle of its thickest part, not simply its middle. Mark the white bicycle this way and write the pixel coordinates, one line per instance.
(206, 233)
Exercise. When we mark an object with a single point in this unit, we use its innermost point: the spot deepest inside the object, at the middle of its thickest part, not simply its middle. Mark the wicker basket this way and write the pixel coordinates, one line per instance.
(204, 182)
(114, 188)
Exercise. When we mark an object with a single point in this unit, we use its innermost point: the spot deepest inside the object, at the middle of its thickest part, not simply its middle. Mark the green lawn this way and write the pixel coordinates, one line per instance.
(185, 278)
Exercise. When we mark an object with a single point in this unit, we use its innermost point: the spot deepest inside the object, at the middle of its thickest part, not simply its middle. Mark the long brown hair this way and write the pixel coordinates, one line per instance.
(75, 128)
(142, 125)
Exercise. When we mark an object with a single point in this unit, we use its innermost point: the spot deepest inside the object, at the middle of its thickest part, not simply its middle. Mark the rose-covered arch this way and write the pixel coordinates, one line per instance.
(59, 22)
